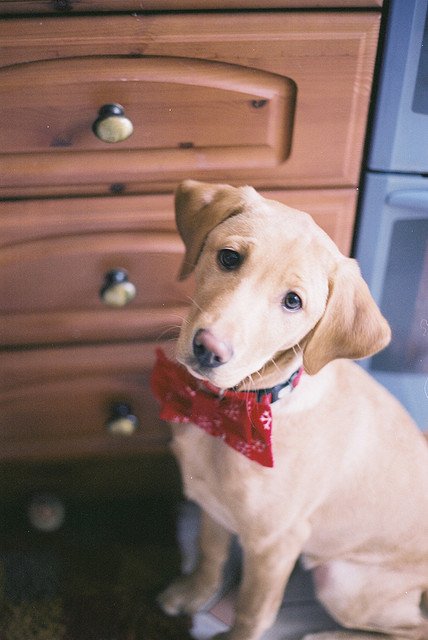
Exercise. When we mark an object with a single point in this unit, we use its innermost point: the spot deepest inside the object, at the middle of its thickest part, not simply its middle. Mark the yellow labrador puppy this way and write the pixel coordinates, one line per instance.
(331, 468)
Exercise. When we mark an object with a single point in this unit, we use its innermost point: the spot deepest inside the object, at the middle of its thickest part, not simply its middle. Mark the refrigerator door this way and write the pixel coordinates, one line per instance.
(392, 249)
(400, 126)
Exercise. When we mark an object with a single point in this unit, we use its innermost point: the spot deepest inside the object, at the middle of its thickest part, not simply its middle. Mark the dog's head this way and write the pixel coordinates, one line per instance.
(271, 288)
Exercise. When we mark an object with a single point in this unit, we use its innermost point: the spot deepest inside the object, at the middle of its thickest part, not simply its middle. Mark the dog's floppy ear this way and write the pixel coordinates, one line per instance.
(199, 207)
(352, 325)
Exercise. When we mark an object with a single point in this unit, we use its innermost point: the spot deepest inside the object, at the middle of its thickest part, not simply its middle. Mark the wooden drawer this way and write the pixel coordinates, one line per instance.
(54, 256)
(172, 105)
(63, 402)
(271, 99)
(71, 287)
(68, 6)
(70, 272)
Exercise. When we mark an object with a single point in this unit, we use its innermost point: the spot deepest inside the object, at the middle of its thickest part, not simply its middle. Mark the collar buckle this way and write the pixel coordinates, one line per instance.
(275, 391)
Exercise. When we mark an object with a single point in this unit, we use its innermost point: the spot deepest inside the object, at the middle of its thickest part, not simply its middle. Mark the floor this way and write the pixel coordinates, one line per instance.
(93, 573)
(300, 612)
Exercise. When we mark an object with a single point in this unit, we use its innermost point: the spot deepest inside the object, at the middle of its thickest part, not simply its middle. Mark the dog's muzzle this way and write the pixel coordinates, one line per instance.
(209, 351)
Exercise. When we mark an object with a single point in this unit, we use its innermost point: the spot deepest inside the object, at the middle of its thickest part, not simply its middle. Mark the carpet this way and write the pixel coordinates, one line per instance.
(95, 578)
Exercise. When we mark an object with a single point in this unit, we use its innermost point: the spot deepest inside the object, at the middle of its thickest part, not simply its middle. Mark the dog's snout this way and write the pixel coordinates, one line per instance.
(209, 350)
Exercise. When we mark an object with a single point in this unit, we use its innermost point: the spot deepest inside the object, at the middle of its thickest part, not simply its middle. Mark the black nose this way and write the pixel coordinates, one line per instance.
(209, 351)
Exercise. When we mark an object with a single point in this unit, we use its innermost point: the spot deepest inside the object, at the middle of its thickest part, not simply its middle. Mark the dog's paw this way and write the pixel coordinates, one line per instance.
(185, 595)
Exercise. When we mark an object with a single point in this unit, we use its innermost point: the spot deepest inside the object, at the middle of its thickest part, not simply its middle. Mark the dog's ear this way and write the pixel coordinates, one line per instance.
(351, 326)
(199, 207)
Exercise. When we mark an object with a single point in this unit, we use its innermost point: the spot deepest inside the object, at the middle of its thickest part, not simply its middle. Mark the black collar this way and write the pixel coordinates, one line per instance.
(274, 392)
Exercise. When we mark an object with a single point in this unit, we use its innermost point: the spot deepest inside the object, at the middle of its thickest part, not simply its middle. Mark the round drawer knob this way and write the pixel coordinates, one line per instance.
(46, 512)
(122, 421)
(112, 125)
(117, 290)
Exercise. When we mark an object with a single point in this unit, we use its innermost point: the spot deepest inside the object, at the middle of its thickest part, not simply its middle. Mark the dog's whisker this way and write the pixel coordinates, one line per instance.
(297, 349)
(174, 328)
(275, 364)
(171, 327)
(193, 301)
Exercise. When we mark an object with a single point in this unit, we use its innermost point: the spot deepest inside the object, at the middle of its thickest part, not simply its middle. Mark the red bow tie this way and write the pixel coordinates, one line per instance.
(242, 419)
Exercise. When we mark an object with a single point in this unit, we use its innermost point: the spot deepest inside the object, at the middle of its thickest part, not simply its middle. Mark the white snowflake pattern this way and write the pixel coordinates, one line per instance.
(250, 450)
(266, 420)
(205, 422)
(243, 447)
(232, 411)
(210, 424)
(259, 446)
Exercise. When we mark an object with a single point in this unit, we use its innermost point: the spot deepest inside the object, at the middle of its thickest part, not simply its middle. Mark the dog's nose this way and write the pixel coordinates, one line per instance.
(209, 351)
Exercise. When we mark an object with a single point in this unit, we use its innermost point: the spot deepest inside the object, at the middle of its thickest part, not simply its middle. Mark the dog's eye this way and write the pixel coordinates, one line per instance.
(229, 259)
(291, 301)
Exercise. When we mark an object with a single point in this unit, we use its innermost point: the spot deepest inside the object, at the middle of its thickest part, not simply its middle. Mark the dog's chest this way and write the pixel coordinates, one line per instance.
(212, 474)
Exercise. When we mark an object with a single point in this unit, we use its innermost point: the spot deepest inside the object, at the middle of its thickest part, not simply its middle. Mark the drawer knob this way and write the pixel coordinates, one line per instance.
(122, 421)
(112, 125)
(117, 290)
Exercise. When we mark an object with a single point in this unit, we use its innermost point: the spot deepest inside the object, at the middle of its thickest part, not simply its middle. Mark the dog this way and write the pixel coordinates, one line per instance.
(346, 486)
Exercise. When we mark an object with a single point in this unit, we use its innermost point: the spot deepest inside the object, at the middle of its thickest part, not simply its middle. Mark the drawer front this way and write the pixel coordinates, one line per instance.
(68, 6)
(83, 401)
(53, 273)
(269, 99)
(75, 272)
(93, 286)
(168, 104)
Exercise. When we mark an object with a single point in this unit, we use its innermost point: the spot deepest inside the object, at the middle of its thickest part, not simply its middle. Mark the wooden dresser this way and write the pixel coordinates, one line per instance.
(105, 107)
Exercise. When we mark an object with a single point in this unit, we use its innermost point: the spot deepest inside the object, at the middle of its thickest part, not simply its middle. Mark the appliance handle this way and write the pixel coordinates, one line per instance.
(408, 199)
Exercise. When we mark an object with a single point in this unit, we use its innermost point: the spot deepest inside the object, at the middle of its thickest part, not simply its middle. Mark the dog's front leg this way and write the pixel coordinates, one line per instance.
(190, 593)
(267, 567)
